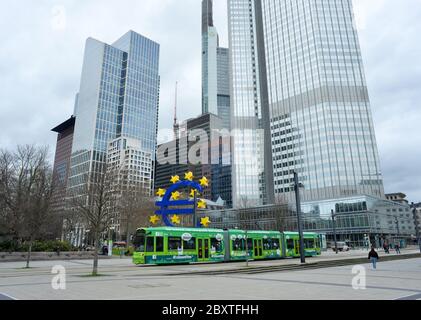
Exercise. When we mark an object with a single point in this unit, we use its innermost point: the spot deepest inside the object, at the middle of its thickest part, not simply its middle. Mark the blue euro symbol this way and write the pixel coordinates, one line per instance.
(166, 202)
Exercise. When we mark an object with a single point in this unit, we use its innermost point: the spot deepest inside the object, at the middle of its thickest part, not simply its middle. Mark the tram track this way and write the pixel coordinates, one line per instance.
(298, 267)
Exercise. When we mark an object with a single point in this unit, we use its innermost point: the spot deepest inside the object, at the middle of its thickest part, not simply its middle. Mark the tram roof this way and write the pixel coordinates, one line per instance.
(291, 233)
(181, 229)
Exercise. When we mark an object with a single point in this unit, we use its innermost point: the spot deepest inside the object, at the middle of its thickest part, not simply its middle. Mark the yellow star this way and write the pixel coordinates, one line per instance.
(154, 219)
(175, 219)
(205, 222)
(160, 192)
(175, 179)
(189, 176)
(204, 182)
(193, 192)
(201, 204)
(175, 195)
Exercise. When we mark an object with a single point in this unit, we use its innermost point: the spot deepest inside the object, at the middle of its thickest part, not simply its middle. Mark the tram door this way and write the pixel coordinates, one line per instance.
(203, 247)
(258, 248)
(297, 247)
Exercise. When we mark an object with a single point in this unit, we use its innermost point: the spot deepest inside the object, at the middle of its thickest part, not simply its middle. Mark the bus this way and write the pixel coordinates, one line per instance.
(166, 245)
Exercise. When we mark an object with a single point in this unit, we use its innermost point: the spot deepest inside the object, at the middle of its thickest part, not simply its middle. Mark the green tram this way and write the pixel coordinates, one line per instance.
(164, 245)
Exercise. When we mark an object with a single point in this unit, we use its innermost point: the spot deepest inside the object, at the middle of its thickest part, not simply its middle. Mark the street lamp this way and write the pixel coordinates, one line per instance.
(334, 230)
(417, 226)
(297, 186)
(110, 242)
(247, 248)
(397, 228)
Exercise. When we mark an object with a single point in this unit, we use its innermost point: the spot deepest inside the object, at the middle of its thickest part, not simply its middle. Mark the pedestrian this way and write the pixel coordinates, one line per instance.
(373, 256)
(397, 248)
(386, 247)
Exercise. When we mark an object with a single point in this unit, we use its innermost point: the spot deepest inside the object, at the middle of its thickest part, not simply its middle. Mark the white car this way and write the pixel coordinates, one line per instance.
(342, 246)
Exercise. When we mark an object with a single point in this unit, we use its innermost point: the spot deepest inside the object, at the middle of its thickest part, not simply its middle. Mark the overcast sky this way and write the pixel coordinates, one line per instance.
(42, 44)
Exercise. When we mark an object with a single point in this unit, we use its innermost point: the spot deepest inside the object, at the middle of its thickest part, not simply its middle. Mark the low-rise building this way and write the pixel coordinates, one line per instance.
(356, 218)
(397, 197)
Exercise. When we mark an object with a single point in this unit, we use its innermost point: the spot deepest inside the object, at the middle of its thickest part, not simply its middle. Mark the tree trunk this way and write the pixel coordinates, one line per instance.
(127, 235)
(95, 264)
(28, 257)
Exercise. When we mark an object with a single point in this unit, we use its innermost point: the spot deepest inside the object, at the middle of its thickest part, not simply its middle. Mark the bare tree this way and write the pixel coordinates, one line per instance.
(281, 213)
(135, 208)
(244, 203)
(93, 206)
(25, 193)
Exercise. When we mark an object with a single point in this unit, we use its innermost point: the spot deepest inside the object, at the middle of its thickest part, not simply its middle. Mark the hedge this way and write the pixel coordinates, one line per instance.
(37, 246)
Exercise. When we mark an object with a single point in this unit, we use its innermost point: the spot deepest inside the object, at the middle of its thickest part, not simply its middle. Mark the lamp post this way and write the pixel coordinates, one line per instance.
(417, 226)
(297, 186)
(334, 230)
(110, 242)
(397, 228)
(247, 248)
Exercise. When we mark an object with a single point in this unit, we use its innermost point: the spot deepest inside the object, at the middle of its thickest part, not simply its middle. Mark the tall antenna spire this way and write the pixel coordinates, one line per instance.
(175, 125)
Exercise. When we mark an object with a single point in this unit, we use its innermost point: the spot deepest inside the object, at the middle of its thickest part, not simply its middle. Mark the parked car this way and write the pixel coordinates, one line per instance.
(342, 246)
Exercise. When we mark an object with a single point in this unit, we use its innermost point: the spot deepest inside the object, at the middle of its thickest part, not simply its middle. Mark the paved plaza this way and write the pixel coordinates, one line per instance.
(120, 279)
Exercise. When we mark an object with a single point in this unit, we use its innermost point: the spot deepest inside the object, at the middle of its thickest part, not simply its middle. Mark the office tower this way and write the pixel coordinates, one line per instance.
(61, 167)
(215, 69)
(305, 58)
(223, 87)
(252, 177)
(118, 98)
(320, 112)
(214, 161)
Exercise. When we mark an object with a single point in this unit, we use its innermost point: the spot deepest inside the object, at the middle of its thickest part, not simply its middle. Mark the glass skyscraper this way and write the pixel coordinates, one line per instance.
(252, 182)
(209, 59)
(321, 120)
(307, 53)
(215, 69)
(118, 97)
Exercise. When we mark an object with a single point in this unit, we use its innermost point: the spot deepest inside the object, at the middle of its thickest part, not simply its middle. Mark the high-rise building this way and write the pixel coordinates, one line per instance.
(223, 87)
(118, 98)
(304, 57)
(215, 69)
(252, 177)
(61, 168)
(320, 112)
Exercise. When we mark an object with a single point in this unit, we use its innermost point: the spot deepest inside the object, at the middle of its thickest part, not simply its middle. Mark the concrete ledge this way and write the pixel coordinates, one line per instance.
(45, 256)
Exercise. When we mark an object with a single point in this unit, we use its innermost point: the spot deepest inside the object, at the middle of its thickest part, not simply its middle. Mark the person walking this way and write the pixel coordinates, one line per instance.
(373, 256)
(386, 247)
(397, 248)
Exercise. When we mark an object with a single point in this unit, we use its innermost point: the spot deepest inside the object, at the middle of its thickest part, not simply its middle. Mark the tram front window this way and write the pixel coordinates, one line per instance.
(139, 243)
